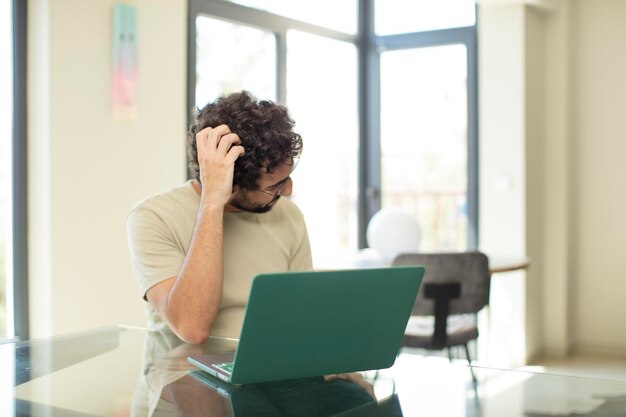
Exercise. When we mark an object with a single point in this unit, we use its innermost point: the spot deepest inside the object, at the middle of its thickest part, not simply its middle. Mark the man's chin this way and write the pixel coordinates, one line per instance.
(253, 209)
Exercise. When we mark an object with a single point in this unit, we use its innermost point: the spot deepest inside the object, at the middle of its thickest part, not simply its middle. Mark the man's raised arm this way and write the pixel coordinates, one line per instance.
(190, 301)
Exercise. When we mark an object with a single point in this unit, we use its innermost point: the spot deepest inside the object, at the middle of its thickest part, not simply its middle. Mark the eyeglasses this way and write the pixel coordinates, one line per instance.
(277, 189)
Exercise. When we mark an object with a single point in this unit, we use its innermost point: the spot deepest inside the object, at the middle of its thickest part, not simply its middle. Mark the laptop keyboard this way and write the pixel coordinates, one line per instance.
(226, 367)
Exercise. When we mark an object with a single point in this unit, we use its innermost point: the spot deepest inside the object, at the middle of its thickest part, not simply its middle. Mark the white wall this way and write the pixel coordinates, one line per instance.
(599, 121)
(86, 170)
(557, 222)
(566, 131)
(502, 136)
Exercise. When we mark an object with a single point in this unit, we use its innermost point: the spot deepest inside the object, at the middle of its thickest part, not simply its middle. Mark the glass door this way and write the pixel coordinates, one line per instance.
(424, 141)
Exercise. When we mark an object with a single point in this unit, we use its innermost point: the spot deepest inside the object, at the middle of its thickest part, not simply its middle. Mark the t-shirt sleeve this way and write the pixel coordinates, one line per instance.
(301, 259)
(154, 254)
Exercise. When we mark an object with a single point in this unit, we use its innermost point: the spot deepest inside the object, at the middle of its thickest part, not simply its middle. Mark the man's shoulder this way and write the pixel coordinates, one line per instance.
(177, 198)
(285, 205)
(287, 209)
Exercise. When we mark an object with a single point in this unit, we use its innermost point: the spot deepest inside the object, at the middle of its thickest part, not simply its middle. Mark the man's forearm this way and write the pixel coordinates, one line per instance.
(193, 301)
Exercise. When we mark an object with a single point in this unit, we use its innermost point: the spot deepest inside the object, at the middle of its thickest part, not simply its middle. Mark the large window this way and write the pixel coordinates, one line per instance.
(411, 16)
(246, 56)
(383, 93)
(428, 132)
(323, 101)
(424, 141)
(312, 70)
(342, 18)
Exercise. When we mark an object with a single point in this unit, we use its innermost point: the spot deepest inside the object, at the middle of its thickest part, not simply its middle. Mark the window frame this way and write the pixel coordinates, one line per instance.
(369, 47)
(20, 172)
(239, 14)
(453, 36)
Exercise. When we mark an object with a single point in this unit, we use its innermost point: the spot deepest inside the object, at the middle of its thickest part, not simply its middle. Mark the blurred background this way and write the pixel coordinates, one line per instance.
(498, 124)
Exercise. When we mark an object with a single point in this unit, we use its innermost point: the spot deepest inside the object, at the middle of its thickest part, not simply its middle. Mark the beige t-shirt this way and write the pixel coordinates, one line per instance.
(159, 234)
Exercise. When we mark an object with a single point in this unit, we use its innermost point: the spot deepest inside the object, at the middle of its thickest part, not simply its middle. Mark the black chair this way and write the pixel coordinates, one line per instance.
(455, 288)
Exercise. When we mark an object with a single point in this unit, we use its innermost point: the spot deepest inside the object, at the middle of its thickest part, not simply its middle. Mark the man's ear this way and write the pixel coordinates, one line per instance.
(236, 189)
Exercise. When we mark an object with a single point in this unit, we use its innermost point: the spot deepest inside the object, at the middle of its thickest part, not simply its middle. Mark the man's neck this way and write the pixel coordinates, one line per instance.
(198, 188)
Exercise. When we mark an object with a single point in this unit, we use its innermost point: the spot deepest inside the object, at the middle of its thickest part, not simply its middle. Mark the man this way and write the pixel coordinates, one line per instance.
(196, 248)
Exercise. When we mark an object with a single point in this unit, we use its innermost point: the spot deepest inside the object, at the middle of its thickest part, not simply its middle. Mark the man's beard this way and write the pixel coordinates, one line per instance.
(252, 208)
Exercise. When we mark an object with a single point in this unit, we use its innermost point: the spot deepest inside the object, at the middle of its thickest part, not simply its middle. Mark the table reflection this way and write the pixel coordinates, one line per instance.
(170, 386)
(100, 373)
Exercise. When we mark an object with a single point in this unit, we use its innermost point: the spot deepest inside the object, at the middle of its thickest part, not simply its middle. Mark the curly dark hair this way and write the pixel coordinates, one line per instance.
(265, 130)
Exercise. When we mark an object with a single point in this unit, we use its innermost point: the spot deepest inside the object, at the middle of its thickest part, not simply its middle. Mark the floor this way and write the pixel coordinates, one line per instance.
(427, 385)
(603, 368)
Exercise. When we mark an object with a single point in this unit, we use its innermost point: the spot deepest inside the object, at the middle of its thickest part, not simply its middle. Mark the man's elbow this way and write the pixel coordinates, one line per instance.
(196, 339)
(192, 333)
(193, 336)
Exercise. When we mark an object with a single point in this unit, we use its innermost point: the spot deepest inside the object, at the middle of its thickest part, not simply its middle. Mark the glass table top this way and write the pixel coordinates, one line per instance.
(123, 371)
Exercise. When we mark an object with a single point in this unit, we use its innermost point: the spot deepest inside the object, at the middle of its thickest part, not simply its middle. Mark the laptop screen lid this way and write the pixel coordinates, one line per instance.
(301, 324)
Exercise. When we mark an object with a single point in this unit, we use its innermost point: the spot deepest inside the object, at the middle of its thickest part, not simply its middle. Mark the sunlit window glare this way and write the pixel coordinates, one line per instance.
(424, 141)
(423, 113)
(340, 15)
(322, 100)
(406, 16)
(232, 57)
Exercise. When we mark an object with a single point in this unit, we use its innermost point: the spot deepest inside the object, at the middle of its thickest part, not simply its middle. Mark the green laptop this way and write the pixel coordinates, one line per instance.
(303, 324)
